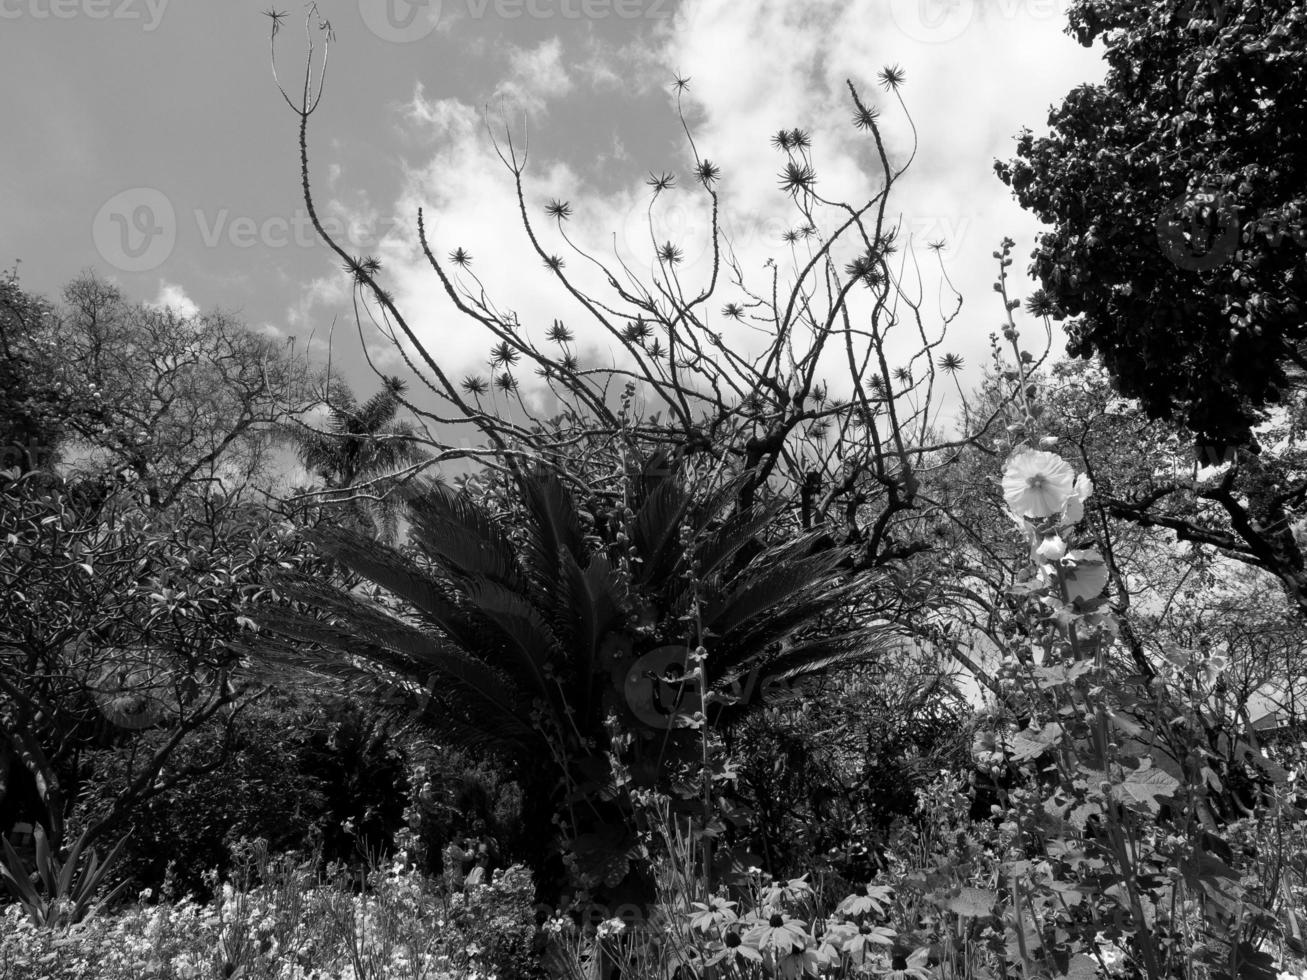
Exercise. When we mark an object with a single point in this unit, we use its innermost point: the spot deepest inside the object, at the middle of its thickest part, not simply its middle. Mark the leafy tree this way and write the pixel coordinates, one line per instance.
(524, 635)
(172, 400)
(358, 456)
(1175, 192)
(32, 405)
(113, 624)
(130, 571)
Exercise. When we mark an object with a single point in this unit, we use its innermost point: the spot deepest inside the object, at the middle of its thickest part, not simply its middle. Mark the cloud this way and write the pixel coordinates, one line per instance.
(173, 297)
(536, 75)
(754, 69)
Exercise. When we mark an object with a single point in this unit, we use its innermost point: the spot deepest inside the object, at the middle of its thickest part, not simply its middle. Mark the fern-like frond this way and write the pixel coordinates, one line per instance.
(457, 535)
(552, 535)
(398, 575)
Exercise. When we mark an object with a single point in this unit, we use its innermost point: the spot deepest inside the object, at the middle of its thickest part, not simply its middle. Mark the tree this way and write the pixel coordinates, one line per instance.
(172, 400)
(127, 573)
(32, 405)
(359, 456)
(1175, 192)
(524, 632)
(836, 404)
(114, 624)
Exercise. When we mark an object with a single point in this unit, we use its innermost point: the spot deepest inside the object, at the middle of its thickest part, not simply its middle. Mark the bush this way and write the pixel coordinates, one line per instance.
(281, 920)
(328, 779)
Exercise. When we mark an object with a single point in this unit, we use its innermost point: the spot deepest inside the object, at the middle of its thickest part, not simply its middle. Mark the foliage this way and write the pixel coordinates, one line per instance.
(132, 568)
(1175, 194)
(66, 891)
(112, 628)
(460, 797)
(279, 919)
(168, 400)
(358, 456)
(823, 775)
(522, 637)
(32, 405)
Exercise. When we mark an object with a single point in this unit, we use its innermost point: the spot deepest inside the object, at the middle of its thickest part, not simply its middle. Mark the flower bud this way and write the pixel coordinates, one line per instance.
(1052, 548)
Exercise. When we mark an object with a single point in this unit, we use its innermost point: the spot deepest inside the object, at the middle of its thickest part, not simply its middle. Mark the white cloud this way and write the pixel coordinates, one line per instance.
(173, 297)
(536, 75)
(754, 69)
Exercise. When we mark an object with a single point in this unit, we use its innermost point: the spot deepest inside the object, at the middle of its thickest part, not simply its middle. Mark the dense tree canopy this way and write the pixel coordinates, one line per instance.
(30, 402)
(1176, 192)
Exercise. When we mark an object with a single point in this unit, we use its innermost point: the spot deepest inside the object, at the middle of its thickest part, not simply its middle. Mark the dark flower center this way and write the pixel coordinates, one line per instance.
(776, 921)
(862, 891)
(732, 940)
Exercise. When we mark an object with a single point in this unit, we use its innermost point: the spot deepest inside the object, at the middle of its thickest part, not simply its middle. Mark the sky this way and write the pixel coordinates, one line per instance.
(146, 140)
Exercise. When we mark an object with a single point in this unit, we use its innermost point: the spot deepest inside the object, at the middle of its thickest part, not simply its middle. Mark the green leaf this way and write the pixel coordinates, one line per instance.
(1060, 675)
(975, 902)
(1082, 967)
(1146, 786)
(1030, 744)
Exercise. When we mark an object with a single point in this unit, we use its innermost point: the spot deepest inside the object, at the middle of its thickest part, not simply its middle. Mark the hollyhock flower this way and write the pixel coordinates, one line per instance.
(1052, 548)
(1036, 483)
(1073, 511)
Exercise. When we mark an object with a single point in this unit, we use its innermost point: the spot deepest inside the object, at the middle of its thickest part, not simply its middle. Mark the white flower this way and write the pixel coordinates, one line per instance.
(1037, 484)
(1052, 548)
(1073, 511)
(610, 927)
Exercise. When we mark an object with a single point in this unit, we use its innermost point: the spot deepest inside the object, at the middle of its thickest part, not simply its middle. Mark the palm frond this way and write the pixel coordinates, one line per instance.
(408, 649)
(530, 640)
(457, 535)
(656, 530)
(772, 589)
(552, 535)
(396, 574)
(598, 608)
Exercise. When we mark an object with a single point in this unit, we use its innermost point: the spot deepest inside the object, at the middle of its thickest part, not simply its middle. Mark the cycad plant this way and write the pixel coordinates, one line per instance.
(525, 632)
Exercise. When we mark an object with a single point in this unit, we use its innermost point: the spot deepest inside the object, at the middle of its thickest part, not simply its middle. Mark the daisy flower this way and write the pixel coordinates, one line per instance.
(780, 933)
